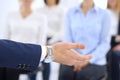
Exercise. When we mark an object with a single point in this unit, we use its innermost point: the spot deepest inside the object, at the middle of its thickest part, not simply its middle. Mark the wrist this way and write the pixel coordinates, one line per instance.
(49, 54)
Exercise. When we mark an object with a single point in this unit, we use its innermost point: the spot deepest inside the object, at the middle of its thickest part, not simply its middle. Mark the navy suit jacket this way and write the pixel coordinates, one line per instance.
(19, 55)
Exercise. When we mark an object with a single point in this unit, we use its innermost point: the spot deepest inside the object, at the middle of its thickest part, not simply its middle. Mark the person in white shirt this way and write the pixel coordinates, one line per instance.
(114, 8)
(55, 17)
(26, 26)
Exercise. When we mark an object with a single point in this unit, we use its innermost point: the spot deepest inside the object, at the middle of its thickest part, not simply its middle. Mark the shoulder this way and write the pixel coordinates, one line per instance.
(105, 15)
(39, 14)
(71, 11)
(104, 12)
(40, 17)
(13, 14)
(55, 8)
(40, 9)
(59, 10)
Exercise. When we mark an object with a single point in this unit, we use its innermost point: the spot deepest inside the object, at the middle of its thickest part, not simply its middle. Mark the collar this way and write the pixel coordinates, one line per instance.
(95, 8)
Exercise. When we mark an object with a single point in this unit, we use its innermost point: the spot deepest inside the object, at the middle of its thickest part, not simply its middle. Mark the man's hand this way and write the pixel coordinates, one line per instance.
(116, 48)
(63, 54)
(118, 38)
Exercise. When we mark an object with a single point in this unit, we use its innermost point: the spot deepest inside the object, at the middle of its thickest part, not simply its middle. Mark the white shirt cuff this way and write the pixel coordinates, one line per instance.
(44, 50)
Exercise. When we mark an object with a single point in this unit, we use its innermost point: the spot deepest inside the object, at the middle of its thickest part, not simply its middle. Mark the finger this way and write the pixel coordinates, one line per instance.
(75, 46)
(77, 56)
(77, 68)
(67, 60)
(74, 69)
(88, 57)
(70, 61)
(85, 64)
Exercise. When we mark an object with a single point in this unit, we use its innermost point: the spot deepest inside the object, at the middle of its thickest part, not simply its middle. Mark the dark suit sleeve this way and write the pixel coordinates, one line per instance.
(19, 55)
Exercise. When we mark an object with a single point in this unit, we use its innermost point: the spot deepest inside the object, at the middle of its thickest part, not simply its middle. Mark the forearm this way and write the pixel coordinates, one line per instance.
(28, 56)
(19, 55)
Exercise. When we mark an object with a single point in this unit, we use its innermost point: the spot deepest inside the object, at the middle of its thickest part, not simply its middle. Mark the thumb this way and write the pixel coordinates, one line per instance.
(88, 57)
(75, 46)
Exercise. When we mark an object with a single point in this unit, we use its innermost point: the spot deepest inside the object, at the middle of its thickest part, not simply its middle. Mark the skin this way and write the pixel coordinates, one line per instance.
(26, 3)
(64, 54)
(87, 5)
(51, 3)
(25, 7)
(112, 3)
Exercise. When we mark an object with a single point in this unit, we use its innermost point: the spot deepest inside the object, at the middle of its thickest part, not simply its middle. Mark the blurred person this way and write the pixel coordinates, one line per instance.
(26, 26)
(55, 16)
(114, 8)
(90, 25)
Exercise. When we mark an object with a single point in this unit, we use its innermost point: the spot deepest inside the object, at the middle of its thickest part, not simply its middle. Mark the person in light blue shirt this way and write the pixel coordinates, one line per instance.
(90, 25)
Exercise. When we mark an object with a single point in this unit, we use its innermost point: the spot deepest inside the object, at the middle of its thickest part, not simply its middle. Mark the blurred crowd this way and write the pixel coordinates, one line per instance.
(98, 29)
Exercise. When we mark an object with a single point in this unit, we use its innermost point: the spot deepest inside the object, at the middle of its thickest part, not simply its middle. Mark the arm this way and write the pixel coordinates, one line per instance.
(27, 56)
(19, 55)
(100, 52)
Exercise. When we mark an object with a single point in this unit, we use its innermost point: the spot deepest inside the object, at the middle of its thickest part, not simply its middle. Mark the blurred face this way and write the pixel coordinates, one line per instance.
(112, 2)
(88, 1)
(51, 2)
(26, 2)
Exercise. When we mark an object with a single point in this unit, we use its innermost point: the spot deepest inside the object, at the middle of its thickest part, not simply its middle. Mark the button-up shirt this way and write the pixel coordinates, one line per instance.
(32, 29)
(92, 30)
